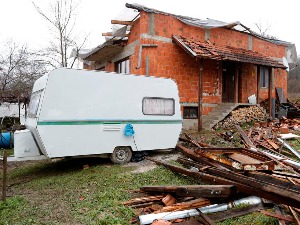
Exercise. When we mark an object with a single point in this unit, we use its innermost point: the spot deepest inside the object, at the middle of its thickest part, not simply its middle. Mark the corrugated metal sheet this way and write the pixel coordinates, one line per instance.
(219, 52)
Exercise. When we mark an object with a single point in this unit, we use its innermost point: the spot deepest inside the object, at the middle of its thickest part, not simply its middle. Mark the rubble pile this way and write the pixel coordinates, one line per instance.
(242, 115)
(260, 179)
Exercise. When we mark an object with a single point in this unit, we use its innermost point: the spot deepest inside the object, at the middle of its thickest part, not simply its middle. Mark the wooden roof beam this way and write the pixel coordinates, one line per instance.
(111, 34)
(121, 22)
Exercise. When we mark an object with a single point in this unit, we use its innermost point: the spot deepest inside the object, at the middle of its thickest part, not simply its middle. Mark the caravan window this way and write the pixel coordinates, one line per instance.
(159, 106)
(34, 103)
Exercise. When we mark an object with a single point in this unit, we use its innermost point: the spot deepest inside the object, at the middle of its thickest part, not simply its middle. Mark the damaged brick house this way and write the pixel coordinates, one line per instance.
(213, 62)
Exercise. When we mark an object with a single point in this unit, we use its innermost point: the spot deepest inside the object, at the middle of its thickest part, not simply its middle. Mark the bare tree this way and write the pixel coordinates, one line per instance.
(61, 16)
(19, 68)
(264, 29)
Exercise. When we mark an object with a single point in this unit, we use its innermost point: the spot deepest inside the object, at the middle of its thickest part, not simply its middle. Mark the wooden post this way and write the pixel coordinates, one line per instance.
(236, 84)
(19, 107)
(258, 84)
(25, 105)
(4, 175)
(200, 95)
(271, 73)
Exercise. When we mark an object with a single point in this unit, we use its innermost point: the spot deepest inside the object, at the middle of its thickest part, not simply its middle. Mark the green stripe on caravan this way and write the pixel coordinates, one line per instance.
(96, 122)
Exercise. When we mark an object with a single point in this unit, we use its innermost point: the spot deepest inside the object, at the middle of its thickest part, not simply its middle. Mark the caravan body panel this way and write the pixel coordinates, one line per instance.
(83, 112)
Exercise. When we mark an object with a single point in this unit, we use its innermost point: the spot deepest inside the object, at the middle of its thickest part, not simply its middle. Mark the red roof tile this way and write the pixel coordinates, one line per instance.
(219, 52)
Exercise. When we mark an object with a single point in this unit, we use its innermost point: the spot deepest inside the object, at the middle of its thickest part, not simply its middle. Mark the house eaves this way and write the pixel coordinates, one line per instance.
(218, 52)
(104, 51)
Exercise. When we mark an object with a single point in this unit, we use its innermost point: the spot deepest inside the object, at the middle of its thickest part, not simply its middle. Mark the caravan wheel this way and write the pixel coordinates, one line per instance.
(121, 155)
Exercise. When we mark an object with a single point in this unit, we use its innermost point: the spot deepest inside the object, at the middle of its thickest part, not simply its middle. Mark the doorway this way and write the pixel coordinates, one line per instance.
(228, 82)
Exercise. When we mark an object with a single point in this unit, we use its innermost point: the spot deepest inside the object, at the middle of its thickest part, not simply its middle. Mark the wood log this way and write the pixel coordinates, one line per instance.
(204, 191)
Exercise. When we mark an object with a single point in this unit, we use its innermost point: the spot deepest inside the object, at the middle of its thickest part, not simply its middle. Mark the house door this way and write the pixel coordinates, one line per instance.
(228, 81)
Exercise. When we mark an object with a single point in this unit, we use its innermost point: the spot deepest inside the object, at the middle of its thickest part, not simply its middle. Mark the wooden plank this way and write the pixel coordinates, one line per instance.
(204, 191)
(268, 187)
(136, 201)
(199, 159)
(250, 144)
(244, 136)
(275, 146)
(121, 22)
(193, 204)
(278, 211)
(235, 212)
(111, 34)
(277, 216)
(243, 159)
(206, 219)
(269, 178)
(295, 215)
(220, 180)
(252, 188)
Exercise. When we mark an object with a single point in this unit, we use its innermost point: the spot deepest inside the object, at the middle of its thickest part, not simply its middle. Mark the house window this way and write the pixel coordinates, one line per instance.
(264, 76)
(123, 66)
(190, 112)
(158, 106)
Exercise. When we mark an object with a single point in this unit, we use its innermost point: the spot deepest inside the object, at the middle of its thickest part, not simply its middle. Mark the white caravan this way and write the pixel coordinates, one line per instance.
(83, 113)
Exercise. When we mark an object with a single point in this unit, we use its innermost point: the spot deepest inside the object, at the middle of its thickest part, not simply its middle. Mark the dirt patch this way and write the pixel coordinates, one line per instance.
(146, 165)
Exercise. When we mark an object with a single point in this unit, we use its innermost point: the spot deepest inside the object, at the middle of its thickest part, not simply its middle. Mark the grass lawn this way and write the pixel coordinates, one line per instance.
(64, 193)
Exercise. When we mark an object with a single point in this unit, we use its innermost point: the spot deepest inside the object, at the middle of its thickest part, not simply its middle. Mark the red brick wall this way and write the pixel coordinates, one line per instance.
(168, 26)
(248, 81)
(171, 61)
(135, 31)
(229, 38)
(110, 67)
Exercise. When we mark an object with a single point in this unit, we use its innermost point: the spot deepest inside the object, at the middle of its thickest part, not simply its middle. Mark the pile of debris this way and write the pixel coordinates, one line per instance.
(248, 176)
(242, 115)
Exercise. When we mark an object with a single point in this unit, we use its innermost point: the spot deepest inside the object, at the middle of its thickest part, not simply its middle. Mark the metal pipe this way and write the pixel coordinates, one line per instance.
(296, 153)
(147, 65)
(149, 218)
(140, 53)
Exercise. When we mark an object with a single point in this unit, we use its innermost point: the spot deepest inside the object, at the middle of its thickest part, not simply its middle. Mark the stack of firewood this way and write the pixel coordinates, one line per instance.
(242, 115)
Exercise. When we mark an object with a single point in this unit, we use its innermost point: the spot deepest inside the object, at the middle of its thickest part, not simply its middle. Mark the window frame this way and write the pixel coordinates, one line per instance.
(173, 109)
(264, 76)
(118, 66)
(189, 108)
(38, 95)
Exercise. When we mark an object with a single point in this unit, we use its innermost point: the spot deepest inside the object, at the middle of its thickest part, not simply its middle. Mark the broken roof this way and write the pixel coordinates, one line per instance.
(219, 52)
(209, 23)
(131, 14)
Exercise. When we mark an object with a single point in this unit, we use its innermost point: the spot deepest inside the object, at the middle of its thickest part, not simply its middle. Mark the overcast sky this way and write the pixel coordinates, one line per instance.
(21, 22)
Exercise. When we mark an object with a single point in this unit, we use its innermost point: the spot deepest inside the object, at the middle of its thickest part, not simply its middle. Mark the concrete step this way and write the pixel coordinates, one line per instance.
(217, 114)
